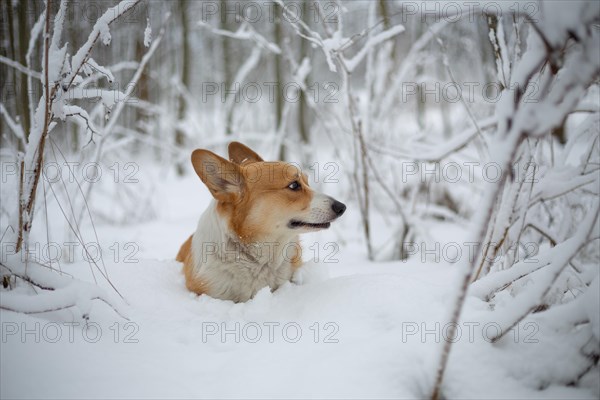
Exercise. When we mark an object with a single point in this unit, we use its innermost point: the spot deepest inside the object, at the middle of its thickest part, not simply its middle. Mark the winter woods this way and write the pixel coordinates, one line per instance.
(463, 135)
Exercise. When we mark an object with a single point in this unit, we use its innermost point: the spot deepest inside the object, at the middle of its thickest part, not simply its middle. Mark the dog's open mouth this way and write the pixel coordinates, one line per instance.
(301, 224)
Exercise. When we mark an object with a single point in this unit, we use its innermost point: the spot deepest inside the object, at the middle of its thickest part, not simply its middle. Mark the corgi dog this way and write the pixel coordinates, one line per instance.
(247, 239)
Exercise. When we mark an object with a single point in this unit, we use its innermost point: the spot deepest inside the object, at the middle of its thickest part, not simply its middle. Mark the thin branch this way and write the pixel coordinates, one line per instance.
(87, 122)
(26, 278)
(84, 51)
(559, 265)
(21, 68)
(462, 99)
(15, 127)
(435, 154)
(244, 32)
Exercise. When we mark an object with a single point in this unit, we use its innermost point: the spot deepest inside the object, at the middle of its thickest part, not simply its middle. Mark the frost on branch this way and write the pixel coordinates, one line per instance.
(147, 34)
(562, 60)
(65, 80)
(40, 290)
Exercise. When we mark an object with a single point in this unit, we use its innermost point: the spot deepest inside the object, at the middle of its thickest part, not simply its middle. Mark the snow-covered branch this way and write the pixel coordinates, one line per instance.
(560, 91)
(59, 73)
(100, 30)
(16, 128)
(508, 315)
(20, 68)
(373, 41)
(57, 292)
(244, 32)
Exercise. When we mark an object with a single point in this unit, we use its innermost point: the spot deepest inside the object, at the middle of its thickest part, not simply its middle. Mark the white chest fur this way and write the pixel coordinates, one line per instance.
(231, 269)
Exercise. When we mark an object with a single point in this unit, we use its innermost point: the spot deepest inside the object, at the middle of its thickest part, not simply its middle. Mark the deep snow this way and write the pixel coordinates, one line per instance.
(348, 328)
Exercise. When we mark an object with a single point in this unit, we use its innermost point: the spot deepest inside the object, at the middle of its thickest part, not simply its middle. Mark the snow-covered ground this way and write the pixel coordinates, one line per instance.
(347, 328)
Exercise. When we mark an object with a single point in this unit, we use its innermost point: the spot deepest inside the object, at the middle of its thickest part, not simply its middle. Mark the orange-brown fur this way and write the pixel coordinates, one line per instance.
(263, 188)
(185, 256)
(185, 251)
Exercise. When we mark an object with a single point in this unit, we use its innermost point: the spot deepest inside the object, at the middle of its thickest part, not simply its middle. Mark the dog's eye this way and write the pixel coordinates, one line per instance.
(294, 186)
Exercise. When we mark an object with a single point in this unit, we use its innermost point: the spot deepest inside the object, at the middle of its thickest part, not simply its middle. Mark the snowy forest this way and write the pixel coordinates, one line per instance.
(462, 137)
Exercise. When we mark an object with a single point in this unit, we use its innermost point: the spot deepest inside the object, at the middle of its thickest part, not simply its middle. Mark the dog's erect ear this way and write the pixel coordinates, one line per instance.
(223, 178)
(242, 154)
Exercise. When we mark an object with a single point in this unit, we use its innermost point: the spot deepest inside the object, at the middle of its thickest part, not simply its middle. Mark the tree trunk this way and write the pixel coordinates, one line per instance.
(421, 97)
(185, 76)
(303, 129)
(277, 35)
(23, 9)
(226, 65)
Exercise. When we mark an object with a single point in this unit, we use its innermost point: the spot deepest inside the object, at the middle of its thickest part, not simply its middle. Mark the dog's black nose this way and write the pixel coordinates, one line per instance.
(338, 207)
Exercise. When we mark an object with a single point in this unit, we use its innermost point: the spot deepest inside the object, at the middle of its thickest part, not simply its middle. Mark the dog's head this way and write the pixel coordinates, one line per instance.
(260, 199)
